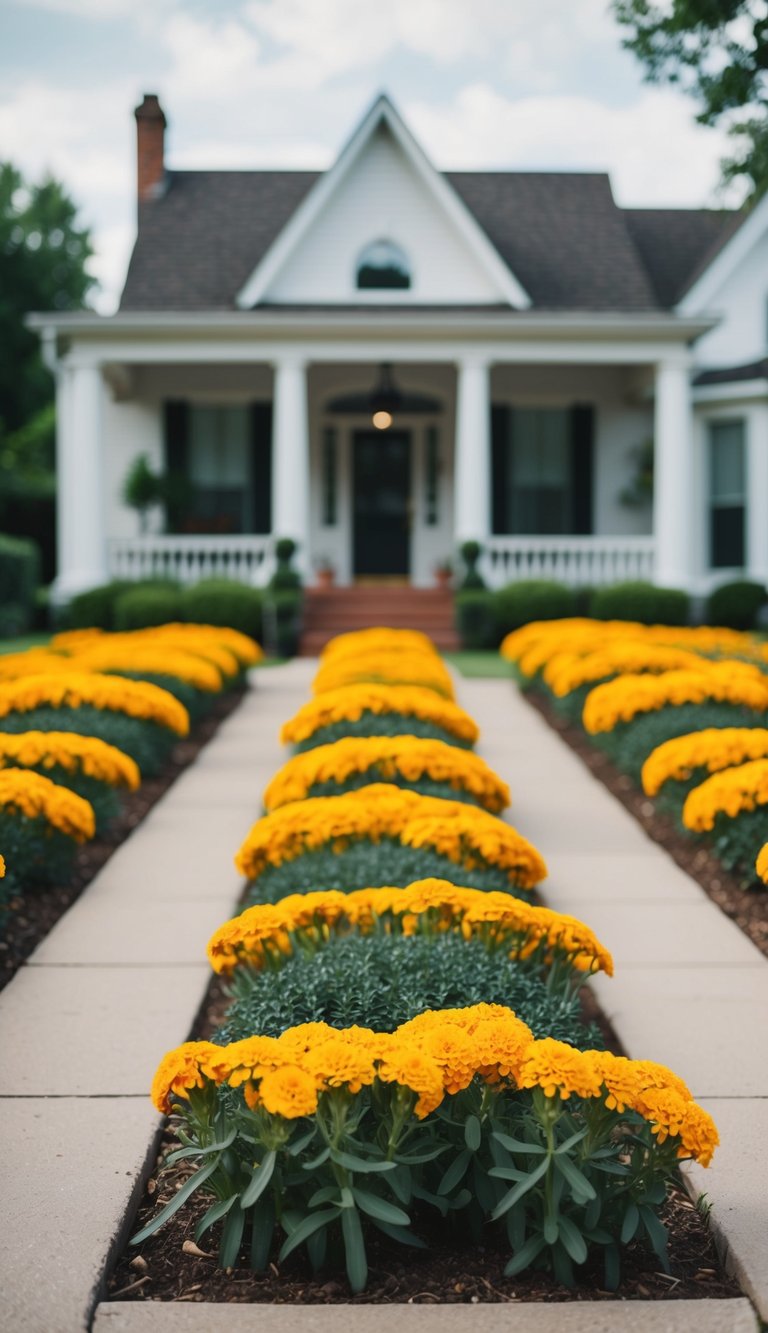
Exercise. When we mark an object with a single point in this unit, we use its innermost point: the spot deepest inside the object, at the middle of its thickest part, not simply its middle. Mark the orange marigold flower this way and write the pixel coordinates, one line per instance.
(714, 748)
(72, 689)
(179, 1071)
(396, 667)
(289, 1092)
(23, 792)
(623, 699)
(350, 702)
(559, 1069)
(69, 750)
(727, 793)
(761, 864)
(413, 1068)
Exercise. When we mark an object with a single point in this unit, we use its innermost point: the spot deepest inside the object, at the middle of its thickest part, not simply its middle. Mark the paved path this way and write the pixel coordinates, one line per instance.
(690, 990)
(120, 978)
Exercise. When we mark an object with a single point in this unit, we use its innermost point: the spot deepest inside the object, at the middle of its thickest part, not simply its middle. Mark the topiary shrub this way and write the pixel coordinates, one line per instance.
(19, 577)
(470, 553)
(735, 605)
(95, 609)
(517, 604)
(220, 601)
(475, 617)
(282, 621)
(146, 605)
(285, 578)
(640, 601)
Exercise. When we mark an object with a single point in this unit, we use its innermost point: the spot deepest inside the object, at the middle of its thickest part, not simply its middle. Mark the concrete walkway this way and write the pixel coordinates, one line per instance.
(120, 978)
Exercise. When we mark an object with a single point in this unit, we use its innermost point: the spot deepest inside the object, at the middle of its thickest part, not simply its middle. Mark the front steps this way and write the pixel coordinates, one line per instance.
(331, 611)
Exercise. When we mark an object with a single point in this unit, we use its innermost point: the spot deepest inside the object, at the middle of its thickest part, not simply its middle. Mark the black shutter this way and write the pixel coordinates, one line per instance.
(261, 466)
(499, 468)
(582, 468)
(176, 462)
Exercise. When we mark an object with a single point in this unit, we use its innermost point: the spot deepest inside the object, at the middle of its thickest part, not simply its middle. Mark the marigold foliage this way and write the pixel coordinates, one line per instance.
(424, 669)
(761, 864)
(622, 699)
(714, 748)
(34, 796)
(349, 703)
(727, 793)
(138, 699)
(387, 759)
(262, 935)
(88, 755)
(467, 835)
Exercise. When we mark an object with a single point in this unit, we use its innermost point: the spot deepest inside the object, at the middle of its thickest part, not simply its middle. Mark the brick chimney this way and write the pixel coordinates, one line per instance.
(150, 148)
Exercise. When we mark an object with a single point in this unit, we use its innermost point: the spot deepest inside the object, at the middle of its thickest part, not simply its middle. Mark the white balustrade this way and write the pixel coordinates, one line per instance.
(189, 559)
(579, 562)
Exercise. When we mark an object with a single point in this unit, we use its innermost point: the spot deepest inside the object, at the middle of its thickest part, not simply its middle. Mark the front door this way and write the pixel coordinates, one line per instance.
(381, 501)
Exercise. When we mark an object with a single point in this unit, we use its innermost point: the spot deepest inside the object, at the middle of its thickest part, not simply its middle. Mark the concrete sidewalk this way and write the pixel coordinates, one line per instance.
(120, 978)
(690, 990)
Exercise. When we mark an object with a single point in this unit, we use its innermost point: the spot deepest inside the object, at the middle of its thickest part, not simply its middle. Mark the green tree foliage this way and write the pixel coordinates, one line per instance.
(716, 50)
(43, 254)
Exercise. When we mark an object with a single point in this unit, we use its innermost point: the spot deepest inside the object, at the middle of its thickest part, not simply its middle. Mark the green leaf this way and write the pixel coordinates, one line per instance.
(612, 1267)
(216, 1211)
(657, 1234)
(201, 1152)
(362, 1164)
(262, 1231)
(298, 1145)
(507, 1173)
(231, 1236)
(354, 1247)
(180, 1197)
(551, 1230)
(455, 1172)
(521, 1188)
(517, 1145)
(311, 1223)
(328, 1194)
(317, 1247)
(525, 1256)
(259, 1180)
(380, 1208)
(400, 1234)
(316, 1161)
(416, 1158)
(580, 1187)
(473, 1134)
(630, 1223)
(570, 1142)
(573, 1240)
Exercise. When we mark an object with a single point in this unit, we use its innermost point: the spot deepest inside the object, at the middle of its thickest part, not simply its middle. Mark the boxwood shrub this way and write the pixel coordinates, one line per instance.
(519, 603)
(640, 601)
(145, 605)
(735, 605)
(19, 577)
(219, 601)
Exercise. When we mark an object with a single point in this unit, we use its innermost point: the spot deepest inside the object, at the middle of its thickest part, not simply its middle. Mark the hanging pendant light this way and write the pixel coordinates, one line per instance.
(385, 399)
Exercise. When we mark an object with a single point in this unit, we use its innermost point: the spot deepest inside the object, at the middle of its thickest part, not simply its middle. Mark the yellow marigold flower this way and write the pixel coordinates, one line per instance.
(350, 702)
(338, 1062)
(191, 636)
(413, 1068)
(241, 1061)
(567, 671)
(698, 1135)
(559, 1069)
(144, 658)
(465, 834)
(135, 698)
(396, 668)
(454, 1052)
(23, 792)
(623, 699)
(392, 758)
(33, 662)
(2, 867)
(289, 1092)
(88, 755)
(761, 864)
(714, 748)
(727, 793)
(178, 1072)
(376, 639)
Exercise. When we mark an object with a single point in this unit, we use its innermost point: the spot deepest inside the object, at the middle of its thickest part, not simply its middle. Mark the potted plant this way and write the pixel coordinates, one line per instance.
(443, 572)
(325, 572)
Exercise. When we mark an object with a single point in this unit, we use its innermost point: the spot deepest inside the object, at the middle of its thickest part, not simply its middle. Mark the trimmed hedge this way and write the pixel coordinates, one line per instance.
(19, 577)
(517, 604)
(640, 601)
(146, 605)
(224, 602)
(735, 605)
(475, 616)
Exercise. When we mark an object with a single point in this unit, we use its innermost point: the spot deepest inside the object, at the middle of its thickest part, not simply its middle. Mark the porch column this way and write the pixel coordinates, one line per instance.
(472, 471)
(757, 494)
(290, 456)
(674, 493)
(81, 502)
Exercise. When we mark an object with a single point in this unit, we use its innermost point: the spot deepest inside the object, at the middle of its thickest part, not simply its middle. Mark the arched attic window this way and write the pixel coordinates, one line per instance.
(381, 265)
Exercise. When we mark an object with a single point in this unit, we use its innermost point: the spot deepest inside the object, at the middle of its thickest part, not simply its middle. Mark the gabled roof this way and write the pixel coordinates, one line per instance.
(382, 114)
(560, 235)
(705, 283)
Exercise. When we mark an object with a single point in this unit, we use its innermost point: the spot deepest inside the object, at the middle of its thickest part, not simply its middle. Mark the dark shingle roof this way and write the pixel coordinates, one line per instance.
(754, 370)
(561, 234)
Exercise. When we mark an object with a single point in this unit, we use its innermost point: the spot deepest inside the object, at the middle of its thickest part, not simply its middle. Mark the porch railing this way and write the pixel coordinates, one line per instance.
(577, 561)
(189, 559)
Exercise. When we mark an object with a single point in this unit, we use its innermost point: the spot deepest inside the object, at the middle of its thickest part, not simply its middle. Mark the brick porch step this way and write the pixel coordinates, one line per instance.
(331, 611)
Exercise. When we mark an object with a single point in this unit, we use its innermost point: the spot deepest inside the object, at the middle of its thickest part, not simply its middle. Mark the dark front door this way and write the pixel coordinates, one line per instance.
(381, 490)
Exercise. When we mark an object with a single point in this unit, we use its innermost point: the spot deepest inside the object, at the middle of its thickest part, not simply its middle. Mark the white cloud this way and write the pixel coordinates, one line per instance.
(208, 60)
(655, 152)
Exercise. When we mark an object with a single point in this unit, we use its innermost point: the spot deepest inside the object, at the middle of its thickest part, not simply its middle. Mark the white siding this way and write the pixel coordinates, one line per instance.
(129, 429)
(741, 336)
(382, 197)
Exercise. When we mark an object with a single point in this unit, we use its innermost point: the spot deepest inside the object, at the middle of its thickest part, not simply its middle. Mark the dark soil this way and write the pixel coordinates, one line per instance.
(170, 1267)
(748, 908)
(31, 915)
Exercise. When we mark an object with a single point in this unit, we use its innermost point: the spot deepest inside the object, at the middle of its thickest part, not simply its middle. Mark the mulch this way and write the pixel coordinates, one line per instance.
(30, 916)
(748, 908)
(169, 1266)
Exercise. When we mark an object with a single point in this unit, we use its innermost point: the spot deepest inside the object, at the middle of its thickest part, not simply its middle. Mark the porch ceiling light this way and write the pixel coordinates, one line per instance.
(385, 399)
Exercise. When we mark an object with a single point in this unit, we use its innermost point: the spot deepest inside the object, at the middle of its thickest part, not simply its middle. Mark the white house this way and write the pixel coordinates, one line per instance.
(384, 360)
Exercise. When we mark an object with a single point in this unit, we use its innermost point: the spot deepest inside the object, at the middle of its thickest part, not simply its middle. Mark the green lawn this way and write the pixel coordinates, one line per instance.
(479, 664)
(24, 641)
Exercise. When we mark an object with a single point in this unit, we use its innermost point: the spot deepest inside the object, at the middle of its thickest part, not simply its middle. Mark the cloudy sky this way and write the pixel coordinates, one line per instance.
(504, 84)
